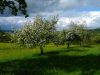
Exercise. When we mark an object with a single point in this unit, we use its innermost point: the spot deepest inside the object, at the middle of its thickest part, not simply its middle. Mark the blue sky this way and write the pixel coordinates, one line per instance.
(75, 10)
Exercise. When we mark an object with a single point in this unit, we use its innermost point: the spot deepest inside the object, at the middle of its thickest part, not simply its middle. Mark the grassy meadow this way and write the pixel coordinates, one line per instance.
(60, 60)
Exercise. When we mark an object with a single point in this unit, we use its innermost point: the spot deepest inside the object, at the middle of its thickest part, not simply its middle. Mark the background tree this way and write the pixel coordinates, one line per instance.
(81, 30)
(73, 38)
(59, 39)
(77, 33)
(14, 6)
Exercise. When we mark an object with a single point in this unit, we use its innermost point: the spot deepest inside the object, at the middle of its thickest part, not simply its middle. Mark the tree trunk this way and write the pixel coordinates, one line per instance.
(57, 45)
(68, 45)
(80, 44)
(41, 48)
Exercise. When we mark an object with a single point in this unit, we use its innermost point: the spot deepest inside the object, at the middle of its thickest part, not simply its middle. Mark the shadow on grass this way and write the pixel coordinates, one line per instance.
(88, 65)
(88, 46)
(64, 50)
(76, 50)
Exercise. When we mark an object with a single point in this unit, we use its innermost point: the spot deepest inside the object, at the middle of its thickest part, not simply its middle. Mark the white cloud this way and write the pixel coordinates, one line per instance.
(66, 9)
(92, 19)
(79, 3)
(69, 3)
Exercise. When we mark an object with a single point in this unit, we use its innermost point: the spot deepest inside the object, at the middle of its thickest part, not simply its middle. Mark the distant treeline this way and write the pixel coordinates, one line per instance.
(5, 36)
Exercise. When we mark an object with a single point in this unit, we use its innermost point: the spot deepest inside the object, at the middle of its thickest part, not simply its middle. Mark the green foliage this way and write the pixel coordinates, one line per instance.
(37, 33)
(59, 38)
(96, 39)
(14, 5)
(80, 33)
